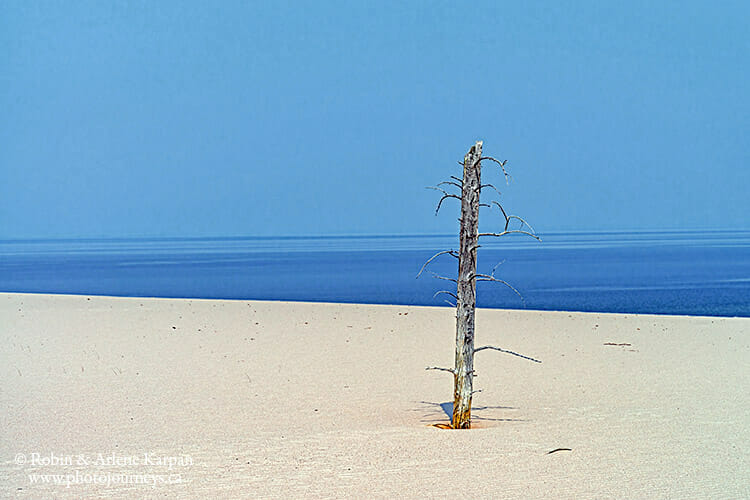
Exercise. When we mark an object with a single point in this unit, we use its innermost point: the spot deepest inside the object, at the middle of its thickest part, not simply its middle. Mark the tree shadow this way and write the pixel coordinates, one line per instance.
(433, 412)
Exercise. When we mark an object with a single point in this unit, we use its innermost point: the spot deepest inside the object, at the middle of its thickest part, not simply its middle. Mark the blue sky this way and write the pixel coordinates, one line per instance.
(191, 119)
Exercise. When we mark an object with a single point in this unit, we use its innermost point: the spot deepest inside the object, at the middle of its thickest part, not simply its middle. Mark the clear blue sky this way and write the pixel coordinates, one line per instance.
(160, 118)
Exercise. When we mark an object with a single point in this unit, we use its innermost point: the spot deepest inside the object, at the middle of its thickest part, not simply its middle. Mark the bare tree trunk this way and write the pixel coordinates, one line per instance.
(470, 186)
(467, 268)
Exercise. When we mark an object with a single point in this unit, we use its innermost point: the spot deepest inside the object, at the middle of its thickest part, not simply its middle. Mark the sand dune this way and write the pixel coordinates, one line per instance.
(236, 399)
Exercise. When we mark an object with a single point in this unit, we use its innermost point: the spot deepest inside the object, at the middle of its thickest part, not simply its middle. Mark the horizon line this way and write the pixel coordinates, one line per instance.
(351, 236)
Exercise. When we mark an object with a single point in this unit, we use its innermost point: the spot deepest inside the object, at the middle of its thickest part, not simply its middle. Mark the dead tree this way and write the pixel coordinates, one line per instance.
(465, 296)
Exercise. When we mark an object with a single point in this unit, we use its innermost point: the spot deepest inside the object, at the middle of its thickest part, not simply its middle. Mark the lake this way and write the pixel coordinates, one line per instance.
(706, 273)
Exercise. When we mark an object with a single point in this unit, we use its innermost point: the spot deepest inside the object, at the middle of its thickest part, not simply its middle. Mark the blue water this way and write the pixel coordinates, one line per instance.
(660, 273)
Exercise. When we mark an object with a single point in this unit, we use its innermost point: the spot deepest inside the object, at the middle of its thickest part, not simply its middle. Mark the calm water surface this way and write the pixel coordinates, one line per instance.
(661, 273)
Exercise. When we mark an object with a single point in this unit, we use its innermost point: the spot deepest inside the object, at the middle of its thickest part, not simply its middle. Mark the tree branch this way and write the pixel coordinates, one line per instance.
(493, 348)
(514, 231)
(441, 190)
(487, 277)
(502, 166)
(440, 203)
(446, 292)
(508, 218)
(490, 186)
(446, 195)
(451, 183)
(449, 252)
(496, 266)
(450, 370)
(436, 275)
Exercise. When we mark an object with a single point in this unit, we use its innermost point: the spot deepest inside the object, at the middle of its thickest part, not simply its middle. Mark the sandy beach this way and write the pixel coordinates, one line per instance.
(238, 399)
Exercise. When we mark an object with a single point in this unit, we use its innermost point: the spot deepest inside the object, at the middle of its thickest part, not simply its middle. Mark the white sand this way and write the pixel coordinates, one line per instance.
(272, 399)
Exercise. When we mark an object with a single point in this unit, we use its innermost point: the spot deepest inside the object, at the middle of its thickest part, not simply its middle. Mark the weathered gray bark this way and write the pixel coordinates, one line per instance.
(471, 187)
(466, 293)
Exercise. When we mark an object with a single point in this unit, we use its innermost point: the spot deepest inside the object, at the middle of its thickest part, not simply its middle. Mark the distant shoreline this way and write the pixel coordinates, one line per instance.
(364, 304)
